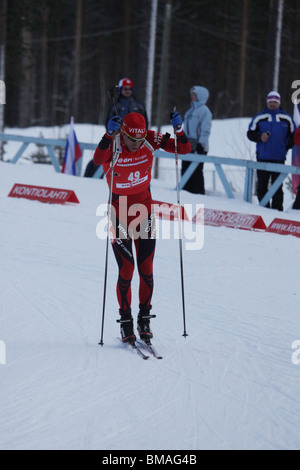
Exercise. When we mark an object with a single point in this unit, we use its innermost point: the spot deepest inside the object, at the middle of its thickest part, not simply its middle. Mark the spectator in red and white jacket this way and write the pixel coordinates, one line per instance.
(131, 195)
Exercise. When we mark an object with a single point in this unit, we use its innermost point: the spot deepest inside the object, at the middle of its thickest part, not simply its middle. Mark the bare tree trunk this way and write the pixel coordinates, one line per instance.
(272, 45)
(243, 53)
(221, 102)
(126, 39)
(25, 94)
(163, 73)
(3, 10)
(54, 93)
(164, 63)
(278, 44)
(77, 59)
(151, 60)
(44, 71)
(103, 97)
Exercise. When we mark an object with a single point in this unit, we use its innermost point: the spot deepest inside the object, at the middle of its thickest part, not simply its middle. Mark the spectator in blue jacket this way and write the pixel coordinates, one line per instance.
(197, 126)
(272, 130)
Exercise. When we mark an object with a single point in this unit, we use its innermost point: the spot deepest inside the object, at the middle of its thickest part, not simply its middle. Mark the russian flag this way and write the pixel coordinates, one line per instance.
(296, 151)
(72, 153)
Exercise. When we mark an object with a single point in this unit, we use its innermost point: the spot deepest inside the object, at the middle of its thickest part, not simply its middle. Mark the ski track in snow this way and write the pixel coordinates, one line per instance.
(229, 385)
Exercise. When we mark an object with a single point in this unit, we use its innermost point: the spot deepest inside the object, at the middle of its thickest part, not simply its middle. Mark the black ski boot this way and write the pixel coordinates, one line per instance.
(127, 331)
(143, 323)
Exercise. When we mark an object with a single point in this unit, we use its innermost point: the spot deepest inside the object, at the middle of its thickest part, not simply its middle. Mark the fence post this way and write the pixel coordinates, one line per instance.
(53, 158)
(248, 185)
(224, 181)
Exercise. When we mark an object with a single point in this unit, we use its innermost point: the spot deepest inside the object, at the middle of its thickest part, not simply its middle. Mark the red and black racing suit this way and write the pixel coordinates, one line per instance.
(132, 215)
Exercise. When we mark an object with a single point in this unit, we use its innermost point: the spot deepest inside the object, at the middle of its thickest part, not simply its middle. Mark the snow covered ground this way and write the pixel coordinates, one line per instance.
(232, 383)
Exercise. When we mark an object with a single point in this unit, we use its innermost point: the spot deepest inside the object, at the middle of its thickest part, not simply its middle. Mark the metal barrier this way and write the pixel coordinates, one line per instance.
(249, 165)
(48, 143)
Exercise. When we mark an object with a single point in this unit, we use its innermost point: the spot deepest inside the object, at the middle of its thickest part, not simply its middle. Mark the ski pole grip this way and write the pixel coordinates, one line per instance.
(177, 126)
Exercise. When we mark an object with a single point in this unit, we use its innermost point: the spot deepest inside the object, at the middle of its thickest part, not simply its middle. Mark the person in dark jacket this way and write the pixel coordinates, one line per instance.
(296, 204)
(197, 126)
(127, 102)
(91, 169)
(272, 130)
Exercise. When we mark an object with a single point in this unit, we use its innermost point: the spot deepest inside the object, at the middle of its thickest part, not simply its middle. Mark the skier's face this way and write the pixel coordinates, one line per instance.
(132, 144)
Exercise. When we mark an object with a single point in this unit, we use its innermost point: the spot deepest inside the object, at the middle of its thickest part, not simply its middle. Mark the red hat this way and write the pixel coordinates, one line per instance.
(125, 82)
(134, 126)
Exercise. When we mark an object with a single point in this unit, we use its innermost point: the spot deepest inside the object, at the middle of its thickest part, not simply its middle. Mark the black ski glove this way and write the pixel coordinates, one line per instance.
(200, 149)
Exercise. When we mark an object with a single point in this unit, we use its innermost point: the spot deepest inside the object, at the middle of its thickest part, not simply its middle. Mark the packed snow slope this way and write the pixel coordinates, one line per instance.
(231, 384)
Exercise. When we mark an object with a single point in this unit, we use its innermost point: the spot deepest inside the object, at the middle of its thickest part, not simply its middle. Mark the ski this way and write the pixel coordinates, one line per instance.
(150, 348)
(135, 349)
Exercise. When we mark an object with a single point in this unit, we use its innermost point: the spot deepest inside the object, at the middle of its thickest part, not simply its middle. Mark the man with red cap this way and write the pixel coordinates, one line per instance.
(131, 195)
(126, 102)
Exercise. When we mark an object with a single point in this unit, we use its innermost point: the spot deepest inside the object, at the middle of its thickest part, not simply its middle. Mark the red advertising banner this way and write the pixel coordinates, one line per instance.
(218, 218)
(44, 194)
(167, 211)
(285, 227)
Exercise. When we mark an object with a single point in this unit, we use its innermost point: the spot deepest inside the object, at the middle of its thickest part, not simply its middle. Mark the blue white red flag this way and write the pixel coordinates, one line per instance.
(72, 153)
(296, 151)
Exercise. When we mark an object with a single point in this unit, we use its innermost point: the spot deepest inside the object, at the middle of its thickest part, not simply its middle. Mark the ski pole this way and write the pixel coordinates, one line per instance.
(116, 152)
(116, 148)
(180, 233)
(112, 94)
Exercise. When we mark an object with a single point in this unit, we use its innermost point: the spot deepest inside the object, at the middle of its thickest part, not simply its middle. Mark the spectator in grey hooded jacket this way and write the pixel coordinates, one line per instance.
(197, 126)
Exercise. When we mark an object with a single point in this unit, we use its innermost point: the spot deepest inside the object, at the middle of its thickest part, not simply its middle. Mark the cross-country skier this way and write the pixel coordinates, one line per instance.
(132, 216)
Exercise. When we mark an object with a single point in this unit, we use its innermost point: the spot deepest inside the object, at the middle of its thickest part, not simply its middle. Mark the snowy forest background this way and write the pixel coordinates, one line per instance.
(61, 56)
